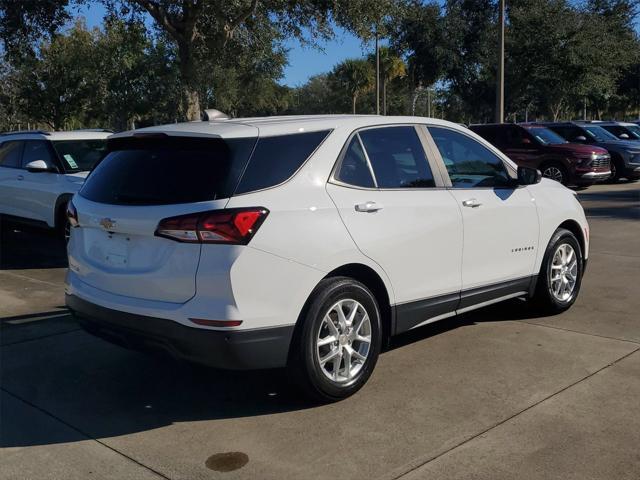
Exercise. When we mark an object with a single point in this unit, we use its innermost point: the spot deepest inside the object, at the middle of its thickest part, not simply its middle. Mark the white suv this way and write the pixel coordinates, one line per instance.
(308, 242)
(40, 172)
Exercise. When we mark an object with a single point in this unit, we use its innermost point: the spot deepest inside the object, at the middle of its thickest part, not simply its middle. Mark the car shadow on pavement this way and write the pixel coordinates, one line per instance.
(102, 390)
(26, 247)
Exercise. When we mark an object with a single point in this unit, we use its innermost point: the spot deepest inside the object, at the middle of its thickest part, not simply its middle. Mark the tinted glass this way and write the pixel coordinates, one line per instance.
(354, 169)
(37, 150)
(599, 134)
(397, 157)
(546, 136)
(489, 133)
(167, 170)
(10, 154)
(469, 163)
(80, 155)
(569, 133)
(276, 159)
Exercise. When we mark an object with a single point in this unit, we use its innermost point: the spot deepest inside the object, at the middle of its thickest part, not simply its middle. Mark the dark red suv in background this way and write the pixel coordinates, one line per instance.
(535, 146)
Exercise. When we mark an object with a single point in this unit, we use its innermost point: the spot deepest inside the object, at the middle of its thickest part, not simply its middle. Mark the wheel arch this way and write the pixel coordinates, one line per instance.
(374, 282)
(60, 208)
(575, 228)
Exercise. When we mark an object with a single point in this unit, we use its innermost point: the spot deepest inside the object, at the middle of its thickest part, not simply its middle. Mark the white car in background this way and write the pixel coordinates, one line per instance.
(40, 171)
(308, 242)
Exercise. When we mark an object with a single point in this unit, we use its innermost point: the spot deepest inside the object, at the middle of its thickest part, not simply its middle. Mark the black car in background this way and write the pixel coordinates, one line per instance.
(625, 155)
(622, 130)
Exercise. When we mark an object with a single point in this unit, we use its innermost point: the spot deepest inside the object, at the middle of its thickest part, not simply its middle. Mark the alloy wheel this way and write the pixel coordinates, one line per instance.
(563, 274)
(343, 341)
(554, 173)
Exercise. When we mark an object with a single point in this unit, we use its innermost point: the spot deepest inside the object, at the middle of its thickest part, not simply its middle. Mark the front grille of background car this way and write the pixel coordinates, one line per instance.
(601, 161)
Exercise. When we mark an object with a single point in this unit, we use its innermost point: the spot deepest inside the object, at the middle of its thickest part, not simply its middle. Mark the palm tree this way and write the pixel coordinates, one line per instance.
(391, 67)
(355, 76)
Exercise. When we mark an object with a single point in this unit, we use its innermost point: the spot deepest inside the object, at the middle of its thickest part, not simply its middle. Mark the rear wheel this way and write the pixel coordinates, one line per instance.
(338, 342)
(556, 172)
(561, 273)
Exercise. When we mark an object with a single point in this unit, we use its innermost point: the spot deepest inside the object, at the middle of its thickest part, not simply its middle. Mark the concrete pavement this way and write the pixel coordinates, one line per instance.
(498, 393)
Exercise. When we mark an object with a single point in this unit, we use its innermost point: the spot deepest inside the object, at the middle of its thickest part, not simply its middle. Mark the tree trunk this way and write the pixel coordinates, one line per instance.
(190, 95)
(384, 96)
(353, 102)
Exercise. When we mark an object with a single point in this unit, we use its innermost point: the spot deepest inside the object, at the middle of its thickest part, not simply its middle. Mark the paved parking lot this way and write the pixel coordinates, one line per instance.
(498, 393)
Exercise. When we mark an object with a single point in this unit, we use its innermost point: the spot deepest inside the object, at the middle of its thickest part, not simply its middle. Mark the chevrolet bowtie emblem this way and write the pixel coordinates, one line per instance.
(107, 223)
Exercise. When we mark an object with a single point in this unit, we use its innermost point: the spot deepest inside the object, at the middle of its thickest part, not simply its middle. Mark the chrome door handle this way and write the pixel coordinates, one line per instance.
(368, 207)
(20, 177)
(472, 202)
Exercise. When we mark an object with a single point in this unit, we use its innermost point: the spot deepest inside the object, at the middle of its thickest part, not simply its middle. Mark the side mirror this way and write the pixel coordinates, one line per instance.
(581, 138)
(38, 166)
(624, 136)
(529, 176)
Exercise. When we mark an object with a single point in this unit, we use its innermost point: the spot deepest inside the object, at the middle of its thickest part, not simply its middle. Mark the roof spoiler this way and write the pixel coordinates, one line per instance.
(212, 114)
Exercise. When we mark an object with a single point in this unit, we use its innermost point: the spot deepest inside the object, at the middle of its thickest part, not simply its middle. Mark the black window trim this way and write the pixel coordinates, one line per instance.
(484, 143)
(306, 160)
(439, 181)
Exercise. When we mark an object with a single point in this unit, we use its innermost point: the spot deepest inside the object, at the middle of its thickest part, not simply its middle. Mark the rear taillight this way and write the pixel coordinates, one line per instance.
(72, 214)
(232, 226)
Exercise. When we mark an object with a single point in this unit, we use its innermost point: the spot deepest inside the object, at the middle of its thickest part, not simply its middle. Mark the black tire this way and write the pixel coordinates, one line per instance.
(616, 171)
(304, 364)
(549, 171)
(62, 223)
(544, 296)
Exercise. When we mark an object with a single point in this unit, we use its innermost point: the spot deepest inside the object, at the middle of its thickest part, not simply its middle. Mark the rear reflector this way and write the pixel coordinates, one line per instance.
(217, 323)
(235, 226)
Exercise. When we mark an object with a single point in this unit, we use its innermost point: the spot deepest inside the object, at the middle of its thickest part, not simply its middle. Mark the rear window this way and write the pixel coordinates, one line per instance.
(80, 155)
(276, 159)
(168, 170)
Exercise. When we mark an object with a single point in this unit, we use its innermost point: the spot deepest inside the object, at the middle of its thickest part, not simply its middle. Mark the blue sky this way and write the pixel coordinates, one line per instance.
(304, 61)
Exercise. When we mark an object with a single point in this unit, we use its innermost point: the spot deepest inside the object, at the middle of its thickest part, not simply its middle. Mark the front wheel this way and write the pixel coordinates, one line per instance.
(338, 342)
(556, 172)
(561, 273)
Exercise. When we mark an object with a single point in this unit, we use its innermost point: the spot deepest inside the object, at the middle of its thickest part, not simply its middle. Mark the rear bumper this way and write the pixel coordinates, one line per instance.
(233, 350)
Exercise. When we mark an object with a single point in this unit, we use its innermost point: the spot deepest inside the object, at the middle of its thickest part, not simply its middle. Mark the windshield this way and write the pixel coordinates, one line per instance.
(599, 134)
(80, 155)
(635, 131)
(546, 136)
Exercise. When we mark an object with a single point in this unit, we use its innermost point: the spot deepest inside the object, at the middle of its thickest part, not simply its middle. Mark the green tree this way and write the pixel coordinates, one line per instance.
(391, 68)
(355, 77)
(202, 28)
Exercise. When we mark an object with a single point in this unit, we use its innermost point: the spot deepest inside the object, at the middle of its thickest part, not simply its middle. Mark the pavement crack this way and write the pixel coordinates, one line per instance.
(26, 277)
(76, 429)
(413, 467)
(635, 342)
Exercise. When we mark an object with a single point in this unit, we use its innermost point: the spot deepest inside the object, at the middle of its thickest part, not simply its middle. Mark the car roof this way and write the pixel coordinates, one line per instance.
(55, 136)
(606, 123)
(278, 125)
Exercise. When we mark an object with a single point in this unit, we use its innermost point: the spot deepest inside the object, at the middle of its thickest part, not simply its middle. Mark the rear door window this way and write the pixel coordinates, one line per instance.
(276, 159)
(168, 170)
(354, 168)
(397, 157)
(11, 154)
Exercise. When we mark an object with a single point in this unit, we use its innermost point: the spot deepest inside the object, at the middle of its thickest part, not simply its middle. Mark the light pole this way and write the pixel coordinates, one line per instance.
(500, 86)
(377, 74)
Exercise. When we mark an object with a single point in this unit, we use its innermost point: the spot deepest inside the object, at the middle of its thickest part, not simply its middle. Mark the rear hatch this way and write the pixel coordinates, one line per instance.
(143, 180)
